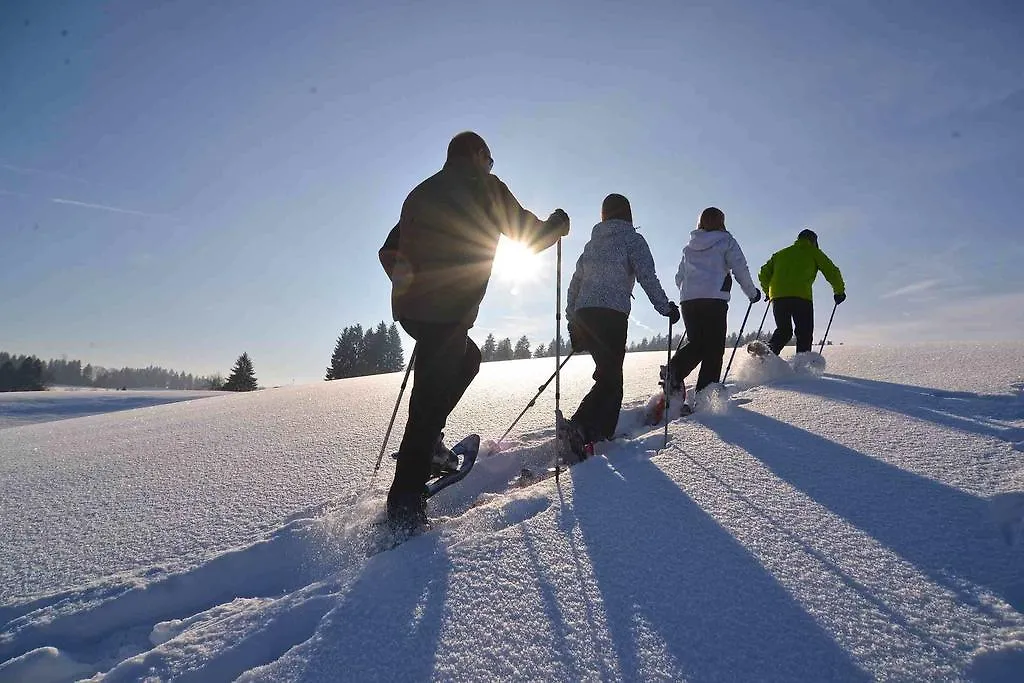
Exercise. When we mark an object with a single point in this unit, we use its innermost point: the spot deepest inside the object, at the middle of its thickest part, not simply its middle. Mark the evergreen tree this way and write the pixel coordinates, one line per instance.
(7, 375)
(489, 348)
(504, 350)
(394, 356)
(376, 349)
(242, 377)
(522, 349)
(540, 352)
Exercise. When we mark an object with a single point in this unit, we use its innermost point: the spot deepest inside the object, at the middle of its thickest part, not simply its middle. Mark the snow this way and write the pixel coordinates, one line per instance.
(61, 403)
(860, 521)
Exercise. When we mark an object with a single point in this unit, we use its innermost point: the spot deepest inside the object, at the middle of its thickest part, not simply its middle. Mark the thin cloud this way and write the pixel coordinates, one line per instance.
(914, 288)
(35, 171)
(102, 207)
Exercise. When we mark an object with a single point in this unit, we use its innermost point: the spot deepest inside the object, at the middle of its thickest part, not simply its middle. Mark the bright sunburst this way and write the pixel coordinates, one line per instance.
(515, 263)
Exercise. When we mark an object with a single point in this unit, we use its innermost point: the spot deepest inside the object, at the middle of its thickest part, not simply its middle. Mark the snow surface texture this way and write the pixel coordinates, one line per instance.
(30, 407)
(865, 523)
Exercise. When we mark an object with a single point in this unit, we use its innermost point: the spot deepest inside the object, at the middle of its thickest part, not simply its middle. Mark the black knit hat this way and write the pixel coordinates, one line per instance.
(809, 235)
(616, 206)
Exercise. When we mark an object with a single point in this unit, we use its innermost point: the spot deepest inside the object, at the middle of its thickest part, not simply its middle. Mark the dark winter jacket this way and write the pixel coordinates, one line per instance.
(440, 254)
(614, 259)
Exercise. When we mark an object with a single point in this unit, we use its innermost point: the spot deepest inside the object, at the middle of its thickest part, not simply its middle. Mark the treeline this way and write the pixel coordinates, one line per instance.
(29, 373)
(21, 373)
(358, 353)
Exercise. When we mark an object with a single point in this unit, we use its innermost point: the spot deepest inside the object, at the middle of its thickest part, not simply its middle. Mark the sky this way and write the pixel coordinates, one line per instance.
(181, 182)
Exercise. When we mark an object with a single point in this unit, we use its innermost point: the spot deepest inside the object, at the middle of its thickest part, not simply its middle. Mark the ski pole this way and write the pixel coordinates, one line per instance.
(398, 401)
(558, 355)
(533, 401)
(668, 374)
(822, 347)
(737, 344)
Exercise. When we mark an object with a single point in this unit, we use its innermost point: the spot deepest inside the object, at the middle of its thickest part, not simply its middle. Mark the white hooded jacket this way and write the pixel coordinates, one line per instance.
(615, 258)
(708, 259)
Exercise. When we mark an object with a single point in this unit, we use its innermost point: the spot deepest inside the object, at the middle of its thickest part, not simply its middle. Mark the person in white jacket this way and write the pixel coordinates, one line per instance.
(597, 308)
(710, 260)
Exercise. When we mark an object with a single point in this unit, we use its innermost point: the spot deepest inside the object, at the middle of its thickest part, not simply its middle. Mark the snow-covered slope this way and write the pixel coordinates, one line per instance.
(864, 524)
(31, 407)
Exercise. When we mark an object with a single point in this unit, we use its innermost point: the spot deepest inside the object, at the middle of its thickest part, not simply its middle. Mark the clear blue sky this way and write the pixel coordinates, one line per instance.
(182, 181)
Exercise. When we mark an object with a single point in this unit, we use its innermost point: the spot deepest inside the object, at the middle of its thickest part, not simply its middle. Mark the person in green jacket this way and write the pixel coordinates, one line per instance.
(787, 278)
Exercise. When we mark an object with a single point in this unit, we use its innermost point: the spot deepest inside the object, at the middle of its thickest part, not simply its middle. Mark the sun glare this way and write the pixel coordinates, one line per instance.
(515, 263)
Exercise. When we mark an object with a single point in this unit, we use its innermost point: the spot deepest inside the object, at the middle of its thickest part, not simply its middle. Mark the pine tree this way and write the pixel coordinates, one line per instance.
(522, 349)
(395, 357)
(7, 375)
(540, 352)
(504, 350)
(242, 377)
(489, 348)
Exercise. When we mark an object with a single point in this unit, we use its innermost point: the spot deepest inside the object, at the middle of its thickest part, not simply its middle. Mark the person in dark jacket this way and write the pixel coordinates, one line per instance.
(710, 260)
(439, 259)
(788, 278)
(597, 309)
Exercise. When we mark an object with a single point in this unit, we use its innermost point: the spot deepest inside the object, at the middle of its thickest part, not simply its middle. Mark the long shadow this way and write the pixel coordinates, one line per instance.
(388, 621)
(663, 564)
(948, 534)
(64, 409)
(981, 414)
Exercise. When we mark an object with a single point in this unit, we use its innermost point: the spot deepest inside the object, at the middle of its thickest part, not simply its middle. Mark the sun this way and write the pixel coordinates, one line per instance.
(515, 263)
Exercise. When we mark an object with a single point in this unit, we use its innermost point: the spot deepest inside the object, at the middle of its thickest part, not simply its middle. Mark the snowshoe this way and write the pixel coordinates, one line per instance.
(468, 449)
(758, 349)
(443, 460)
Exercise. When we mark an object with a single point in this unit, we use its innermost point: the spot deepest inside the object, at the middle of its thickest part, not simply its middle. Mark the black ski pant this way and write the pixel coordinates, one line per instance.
(602, 332)
(446, 362)
(705, 321)
(790, 310)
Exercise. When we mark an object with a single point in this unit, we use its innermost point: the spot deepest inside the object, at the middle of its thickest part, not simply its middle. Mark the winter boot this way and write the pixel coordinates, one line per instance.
(407, 515)
(675, 383)
(443, 461)
(574, 446)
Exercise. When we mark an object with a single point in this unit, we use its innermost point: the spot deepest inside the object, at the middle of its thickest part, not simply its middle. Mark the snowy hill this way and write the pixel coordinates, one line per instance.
(866, 524)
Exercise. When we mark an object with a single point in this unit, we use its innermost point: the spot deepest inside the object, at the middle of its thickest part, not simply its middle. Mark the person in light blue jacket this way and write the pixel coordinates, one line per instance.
(710, 260)
(598, 305)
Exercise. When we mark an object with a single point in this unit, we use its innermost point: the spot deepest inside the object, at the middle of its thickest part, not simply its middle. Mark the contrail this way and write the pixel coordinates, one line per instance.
(102, 207)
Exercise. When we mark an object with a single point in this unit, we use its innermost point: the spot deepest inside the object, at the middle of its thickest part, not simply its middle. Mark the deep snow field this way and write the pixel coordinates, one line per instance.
(864, 524)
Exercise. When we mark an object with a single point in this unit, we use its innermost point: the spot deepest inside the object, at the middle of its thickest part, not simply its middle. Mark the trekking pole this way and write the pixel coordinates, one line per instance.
(763, 318)
(387, 434)
(533, 401)
(668, 374)
(558, 355)
(822, 347)
(681, 340)
(737, 344)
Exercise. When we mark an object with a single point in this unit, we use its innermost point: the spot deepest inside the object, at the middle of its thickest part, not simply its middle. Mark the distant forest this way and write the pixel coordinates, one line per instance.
(29, 373)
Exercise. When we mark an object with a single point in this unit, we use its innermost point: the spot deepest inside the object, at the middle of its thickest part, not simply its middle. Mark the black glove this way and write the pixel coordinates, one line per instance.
(757, 296)
(840, 298)
(560, 218)
(673, 313)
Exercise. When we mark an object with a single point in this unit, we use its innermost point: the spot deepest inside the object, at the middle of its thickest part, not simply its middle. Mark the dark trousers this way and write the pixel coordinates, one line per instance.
(790, 310)
(705, 321)
(446, 362)
(602, 332)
